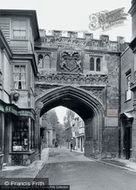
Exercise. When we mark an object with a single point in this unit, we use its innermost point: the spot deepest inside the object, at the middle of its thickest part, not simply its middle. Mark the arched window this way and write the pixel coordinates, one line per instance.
(91, 64)
(40, 61)
(98, 64)
(47, 63)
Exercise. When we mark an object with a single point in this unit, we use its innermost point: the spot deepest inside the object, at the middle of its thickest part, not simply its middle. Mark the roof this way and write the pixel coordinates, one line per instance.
(27, 13)
(132, 45)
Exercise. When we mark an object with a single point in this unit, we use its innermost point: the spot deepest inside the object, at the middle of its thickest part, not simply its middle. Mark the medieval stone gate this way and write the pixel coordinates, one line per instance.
(81, 74)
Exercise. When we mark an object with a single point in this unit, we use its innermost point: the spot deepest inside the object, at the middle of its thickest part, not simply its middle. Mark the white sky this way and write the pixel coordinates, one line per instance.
(71, 15)
(61, 112)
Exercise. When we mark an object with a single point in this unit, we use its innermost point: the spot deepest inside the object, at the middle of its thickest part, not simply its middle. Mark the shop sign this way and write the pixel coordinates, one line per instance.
(26, 113)
(1, 108)
(10, 109)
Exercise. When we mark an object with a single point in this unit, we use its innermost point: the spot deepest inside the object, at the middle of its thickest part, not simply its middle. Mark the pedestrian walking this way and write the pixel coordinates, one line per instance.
(71, 146)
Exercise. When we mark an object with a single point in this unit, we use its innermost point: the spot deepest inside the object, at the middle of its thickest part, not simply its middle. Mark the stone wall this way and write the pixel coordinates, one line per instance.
(103, 84)
(127, 60)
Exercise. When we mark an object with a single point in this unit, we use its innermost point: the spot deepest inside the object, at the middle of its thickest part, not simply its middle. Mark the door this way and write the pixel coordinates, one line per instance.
(127, 141)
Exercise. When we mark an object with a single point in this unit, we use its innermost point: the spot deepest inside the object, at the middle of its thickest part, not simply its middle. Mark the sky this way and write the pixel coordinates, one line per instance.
(72, 15)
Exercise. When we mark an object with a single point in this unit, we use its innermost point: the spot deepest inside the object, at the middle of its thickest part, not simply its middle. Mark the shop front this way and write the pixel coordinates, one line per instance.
(17, 145)
(22, 151)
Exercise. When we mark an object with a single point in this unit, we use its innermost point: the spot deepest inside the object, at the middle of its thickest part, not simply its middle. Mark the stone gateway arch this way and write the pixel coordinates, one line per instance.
(86, 105)
(82, 74)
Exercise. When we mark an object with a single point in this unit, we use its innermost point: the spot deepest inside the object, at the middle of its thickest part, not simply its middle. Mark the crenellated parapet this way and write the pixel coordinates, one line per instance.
(80, 40)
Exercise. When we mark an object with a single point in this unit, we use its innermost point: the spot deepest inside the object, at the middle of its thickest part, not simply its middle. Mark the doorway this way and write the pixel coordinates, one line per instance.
(127, 139)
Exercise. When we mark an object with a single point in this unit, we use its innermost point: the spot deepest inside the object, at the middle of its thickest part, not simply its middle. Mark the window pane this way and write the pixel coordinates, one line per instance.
(16, 85)
(128, 81)
(92, 64)
(23, 85)
(128, 91)
(16, 68)
(22, 67)
(98, 64)
(16, 76)
(19, 34)
(20, 77)
(20, 135)
(19, 85)
(128, 94)
(19, 29)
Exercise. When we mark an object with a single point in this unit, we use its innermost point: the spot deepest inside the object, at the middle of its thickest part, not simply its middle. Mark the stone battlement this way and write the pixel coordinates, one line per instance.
(80, 41)
(77, 35)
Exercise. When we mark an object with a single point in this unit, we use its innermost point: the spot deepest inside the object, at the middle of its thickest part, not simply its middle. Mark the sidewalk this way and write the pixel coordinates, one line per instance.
(120, 163)
(30, 171)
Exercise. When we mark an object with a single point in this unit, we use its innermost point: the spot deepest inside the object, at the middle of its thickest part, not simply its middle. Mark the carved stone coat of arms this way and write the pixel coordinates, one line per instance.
(70, 61)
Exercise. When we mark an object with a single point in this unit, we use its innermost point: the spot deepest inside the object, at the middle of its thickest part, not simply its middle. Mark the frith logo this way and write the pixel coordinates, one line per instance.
(106, 20)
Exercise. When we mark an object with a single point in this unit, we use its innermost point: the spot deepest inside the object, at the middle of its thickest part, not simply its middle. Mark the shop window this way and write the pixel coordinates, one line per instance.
(20, 77)
(32, 134)
(128, 93)
(19, 29)
(92, 64)
(20, 135)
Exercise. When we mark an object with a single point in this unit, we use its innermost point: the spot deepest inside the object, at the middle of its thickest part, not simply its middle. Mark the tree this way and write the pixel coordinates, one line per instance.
(52, 118)
(60, 134)
(68, 118)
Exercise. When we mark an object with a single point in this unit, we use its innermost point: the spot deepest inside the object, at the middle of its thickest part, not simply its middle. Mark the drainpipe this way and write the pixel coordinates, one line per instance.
(119, 111)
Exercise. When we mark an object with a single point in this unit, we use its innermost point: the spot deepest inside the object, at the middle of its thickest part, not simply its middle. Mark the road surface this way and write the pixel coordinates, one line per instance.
(72, 168)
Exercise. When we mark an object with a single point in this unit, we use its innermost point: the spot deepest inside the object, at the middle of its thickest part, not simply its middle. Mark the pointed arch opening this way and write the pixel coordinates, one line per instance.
(87, 106)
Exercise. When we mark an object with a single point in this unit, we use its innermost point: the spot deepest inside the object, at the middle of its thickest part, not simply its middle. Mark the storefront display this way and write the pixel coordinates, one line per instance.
(20, 135)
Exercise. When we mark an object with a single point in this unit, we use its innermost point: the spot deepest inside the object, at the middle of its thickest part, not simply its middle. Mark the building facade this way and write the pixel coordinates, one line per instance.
(5, 71)
(127, 110)
(78, 133)
(47, 133)
(19, 30)
(131, 119)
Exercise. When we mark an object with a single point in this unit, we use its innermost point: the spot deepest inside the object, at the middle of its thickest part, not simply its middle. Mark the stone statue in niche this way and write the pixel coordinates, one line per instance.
(40, 61)
(70, 61)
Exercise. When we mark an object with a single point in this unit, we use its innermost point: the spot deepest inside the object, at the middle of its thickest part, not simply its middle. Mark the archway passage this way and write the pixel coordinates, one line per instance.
(88, 107)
